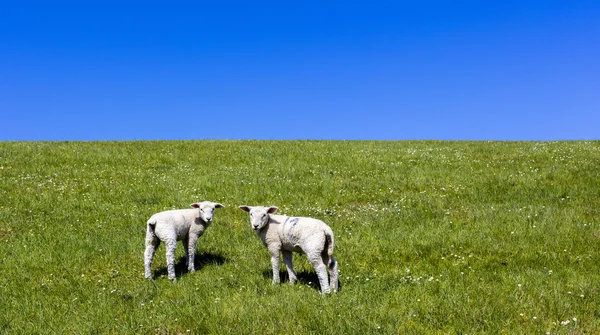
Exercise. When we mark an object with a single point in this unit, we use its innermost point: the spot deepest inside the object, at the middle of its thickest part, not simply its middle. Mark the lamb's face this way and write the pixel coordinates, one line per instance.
(207, 210)
(259, 216)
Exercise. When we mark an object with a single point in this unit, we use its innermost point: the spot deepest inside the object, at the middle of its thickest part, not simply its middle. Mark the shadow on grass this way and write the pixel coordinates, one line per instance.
(200, 262)
(308, 278)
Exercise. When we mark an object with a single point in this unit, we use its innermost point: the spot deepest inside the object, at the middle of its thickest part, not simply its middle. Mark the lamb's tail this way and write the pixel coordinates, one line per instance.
(329, 246)
(151, 224)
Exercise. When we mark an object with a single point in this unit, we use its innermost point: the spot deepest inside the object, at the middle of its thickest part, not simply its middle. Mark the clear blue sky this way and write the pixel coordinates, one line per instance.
(394, 70)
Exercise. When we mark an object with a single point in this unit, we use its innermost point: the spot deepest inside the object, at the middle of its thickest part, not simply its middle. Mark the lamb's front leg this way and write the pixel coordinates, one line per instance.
(191, 252)
(274, 251)
(287, 259)
(185, 243)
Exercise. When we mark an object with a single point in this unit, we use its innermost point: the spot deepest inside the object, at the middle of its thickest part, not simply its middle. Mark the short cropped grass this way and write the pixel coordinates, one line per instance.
(431, 237)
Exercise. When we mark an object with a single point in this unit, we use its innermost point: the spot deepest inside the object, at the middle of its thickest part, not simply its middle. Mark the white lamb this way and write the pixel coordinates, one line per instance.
(185, 225)
(286, 234)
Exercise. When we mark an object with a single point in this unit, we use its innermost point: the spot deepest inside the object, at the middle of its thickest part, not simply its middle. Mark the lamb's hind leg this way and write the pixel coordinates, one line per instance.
(171, 246)
(152, 243)
(317, 262)
(332, 265)
(333, 274)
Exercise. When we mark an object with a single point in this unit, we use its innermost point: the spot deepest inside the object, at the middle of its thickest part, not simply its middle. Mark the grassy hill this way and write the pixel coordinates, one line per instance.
(431, 237)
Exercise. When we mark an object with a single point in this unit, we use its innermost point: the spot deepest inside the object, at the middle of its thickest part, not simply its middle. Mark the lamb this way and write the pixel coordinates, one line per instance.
(286, 234)
(185, 225)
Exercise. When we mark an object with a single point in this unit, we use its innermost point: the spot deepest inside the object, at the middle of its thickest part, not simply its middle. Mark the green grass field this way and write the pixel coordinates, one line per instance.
(431, 237)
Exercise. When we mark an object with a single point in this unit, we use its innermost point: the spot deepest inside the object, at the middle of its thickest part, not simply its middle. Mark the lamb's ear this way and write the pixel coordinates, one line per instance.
(272, 209)
(195, 205)
(245, 208)
(217, 205)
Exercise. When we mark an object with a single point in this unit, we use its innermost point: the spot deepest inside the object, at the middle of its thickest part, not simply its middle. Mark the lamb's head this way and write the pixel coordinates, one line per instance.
(207, 209)
(259, 215)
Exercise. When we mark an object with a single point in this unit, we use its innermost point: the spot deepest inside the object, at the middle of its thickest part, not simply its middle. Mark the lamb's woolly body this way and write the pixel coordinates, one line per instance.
(295, 233)
(286, 234)
(178, 224)
(185, 225)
